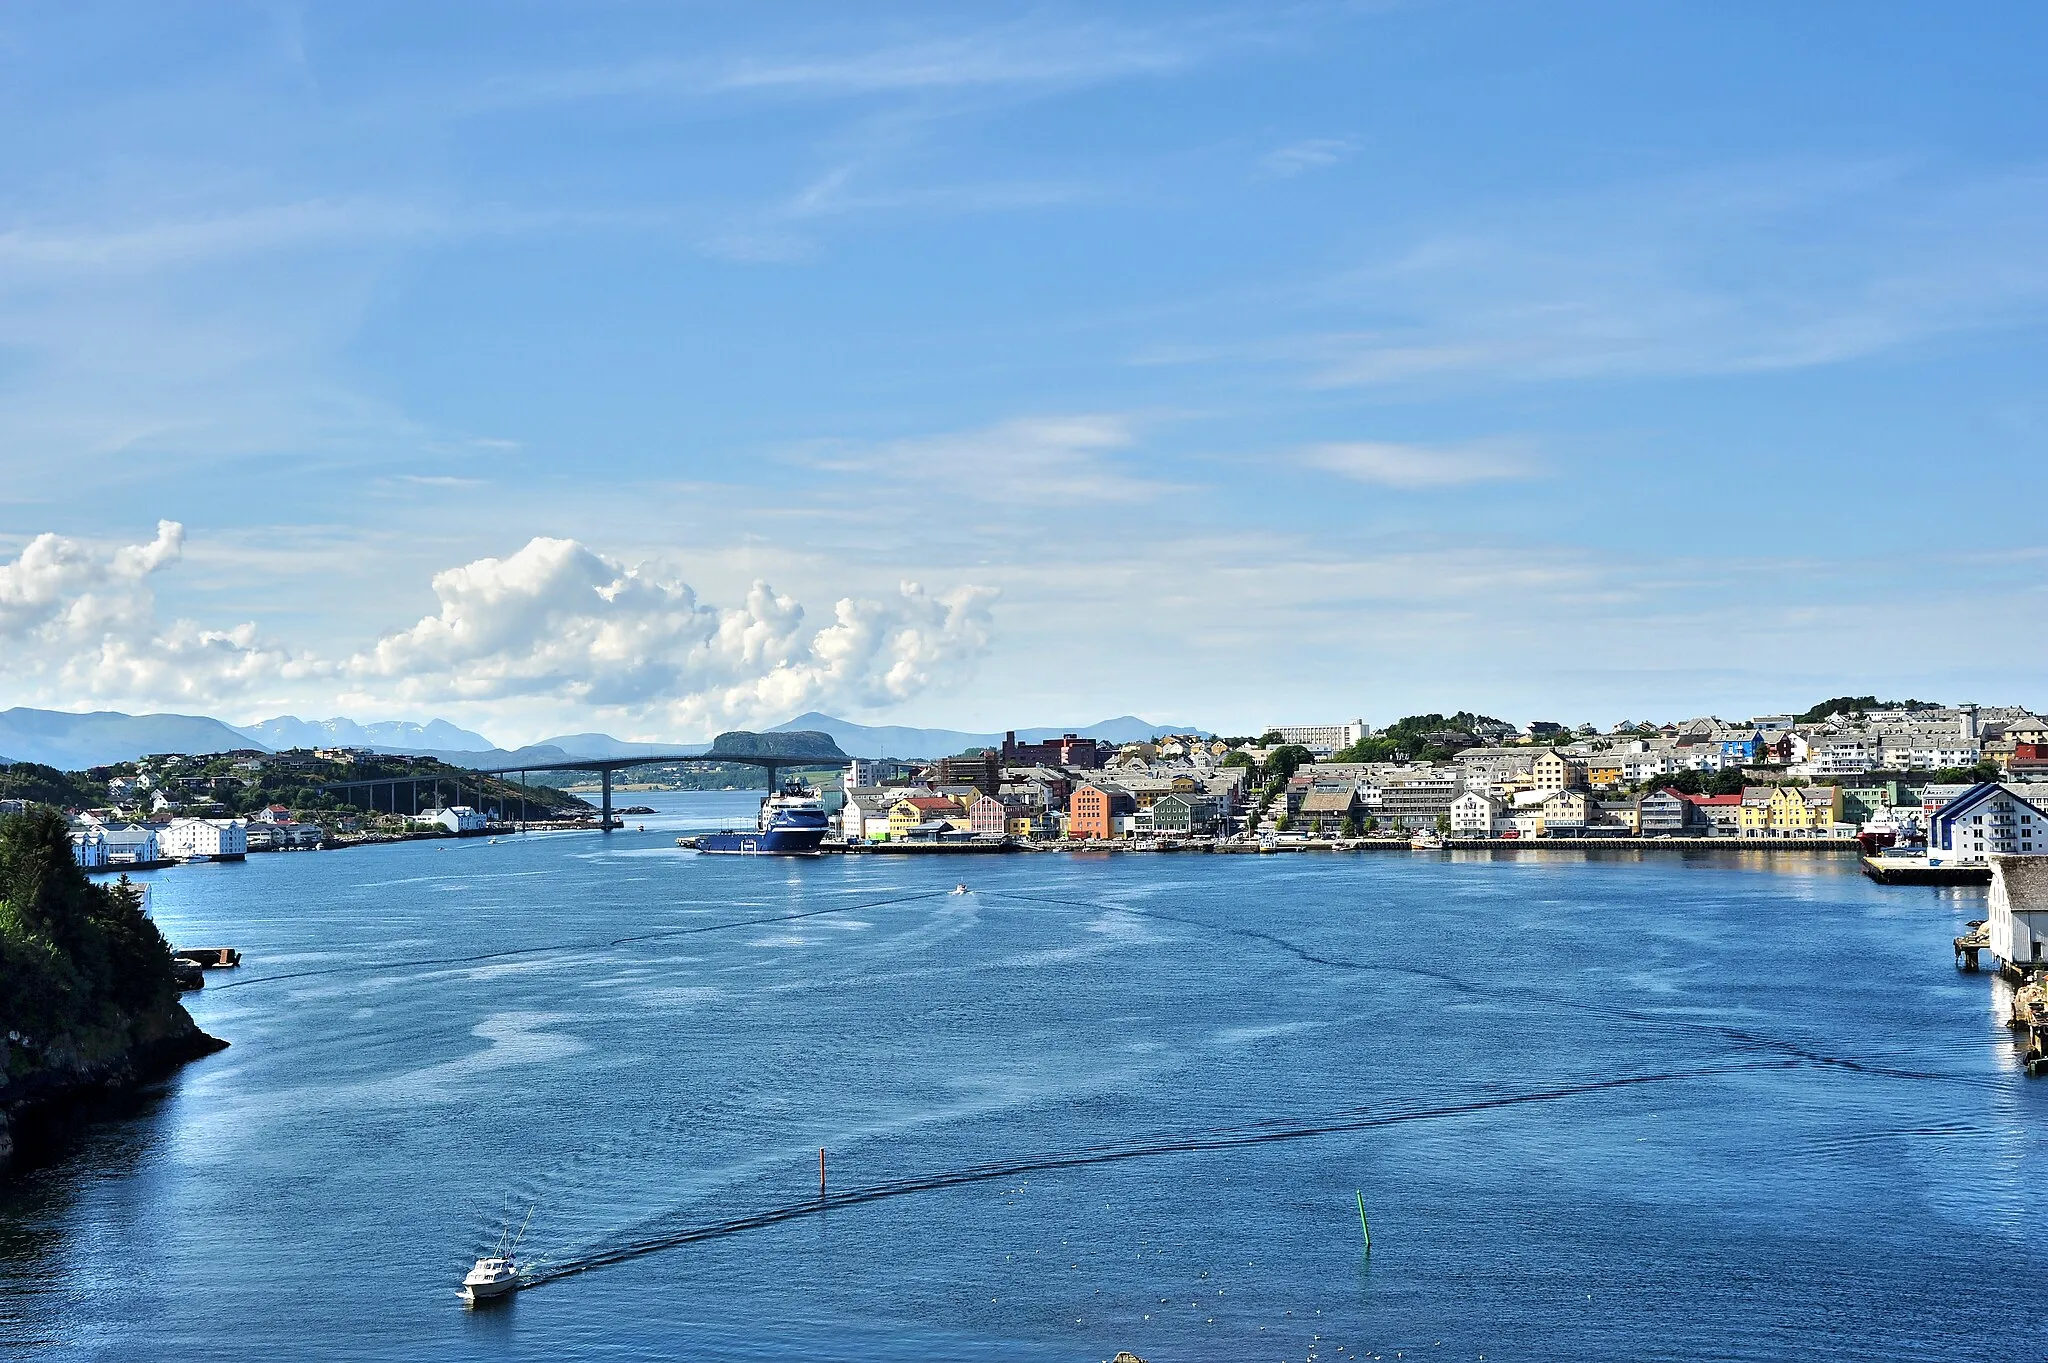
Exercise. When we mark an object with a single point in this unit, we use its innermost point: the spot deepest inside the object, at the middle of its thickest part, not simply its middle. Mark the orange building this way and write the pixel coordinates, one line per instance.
(1092, 810)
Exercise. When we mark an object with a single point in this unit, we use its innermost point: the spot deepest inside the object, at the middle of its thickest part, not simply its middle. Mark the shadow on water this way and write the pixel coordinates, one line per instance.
(105, 1136)
(101, 1131)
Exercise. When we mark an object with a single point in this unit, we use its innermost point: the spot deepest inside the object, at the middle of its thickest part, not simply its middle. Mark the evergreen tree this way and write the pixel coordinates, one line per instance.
(74, 955)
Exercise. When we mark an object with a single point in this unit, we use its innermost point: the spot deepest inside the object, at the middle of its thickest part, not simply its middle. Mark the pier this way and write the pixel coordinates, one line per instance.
(1893, 870)
(1970, 943)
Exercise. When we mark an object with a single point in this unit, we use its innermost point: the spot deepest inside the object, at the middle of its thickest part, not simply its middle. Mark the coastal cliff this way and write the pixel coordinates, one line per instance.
(88, 999)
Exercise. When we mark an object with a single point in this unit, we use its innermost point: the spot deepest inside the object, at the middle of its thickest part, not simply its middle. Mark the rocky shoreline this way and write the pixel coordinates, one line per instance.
(52, 1085)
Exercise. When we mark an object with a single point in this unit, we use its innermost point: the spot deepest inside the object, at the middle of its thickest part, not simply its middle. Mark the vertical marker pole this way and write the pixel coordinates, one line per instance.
(821, 1171)
(1362, 1226)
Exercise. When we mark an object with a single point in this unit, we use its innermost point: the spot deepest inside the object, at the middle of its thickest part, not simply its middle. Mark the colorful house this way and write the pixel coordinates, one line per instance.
(988, 818)
(910, 812)
(1093, 810)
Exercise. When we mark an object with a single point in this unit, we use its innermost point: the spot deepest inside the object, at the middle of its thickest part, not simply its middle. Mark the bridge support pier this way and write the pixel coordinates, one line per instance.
(605, 816)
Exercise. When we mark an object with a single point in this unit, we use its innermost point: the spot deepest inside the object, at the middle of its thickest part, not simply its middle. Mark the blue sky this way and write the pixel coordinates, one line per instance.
(1222, 365)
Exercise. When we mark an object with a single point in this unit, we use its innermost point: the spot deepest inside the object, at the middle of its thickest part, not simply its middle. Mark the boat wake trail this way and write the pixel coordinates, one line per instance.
(587, 944)
(657, 1238)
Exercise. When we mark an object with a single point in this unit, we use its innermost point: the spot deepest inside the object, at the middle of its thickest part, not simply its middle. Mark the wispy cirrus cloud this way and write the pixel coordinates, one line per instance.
(1019, 57)
(1298, 158)
(1029, 461)
(1750, 269)
(1416, 467)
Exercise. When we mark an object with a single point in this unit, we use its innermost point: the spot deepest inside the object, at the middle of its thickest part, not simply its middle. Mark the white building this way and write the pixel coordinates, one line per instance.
(200, 839)
(2018, 925)
(89, 847)
(1321, 739)
(1838, 755)
(131, 845)
(1474, 815)
(457, 819)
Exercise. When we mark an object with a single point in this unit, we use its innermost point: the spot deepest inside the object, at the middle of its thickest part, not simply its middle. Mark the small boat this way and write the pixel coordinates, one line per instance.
(959, 889)
(494, 1276)
(497, 1273)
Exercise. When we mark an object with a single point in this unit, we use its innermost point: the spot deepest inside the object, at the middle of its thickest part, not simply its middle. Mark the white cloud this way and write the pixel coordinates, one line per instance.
(1029, 461)
(558, 621)
(554, 629)
(79, 622)
(1298, 158)
(1418, 466)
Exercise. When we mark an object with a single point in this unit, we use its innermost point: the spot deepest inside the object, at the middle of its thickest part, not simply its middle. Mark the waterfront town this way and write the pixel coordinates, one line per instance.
(1892, 776)
(1952, 784)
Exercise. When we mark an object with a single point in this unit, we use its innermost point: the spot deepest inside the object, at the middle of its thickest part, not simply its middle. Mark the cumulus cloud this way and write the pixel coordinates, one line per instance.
(559, 621)
(556, 622)
(1414, 467)
(79, 621)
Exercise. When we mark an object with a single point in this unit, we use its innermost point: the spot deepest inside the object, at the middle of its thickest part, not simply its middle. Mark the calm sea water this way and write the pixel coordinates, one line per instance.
(1730, 1106)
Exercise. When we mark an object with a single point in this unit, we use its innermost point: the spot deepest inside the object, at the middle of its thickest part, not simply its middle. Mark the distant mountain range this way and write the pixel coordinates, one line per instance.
(71, 742)
(891, 740)
(59, 738)
(395, 735)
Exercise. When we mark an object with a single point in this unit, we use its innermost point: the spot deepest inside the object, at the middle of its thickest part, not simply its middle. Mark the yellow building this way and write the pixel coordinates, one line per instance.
(1789, 811)
(907, 814)
(1604, 773)
(1553, 771)
(1564, 813)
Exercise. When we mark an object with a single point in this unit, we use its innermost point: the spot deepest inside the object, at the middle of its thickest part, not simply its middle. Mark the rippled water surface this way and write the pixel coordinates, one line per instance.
(1732, 1106)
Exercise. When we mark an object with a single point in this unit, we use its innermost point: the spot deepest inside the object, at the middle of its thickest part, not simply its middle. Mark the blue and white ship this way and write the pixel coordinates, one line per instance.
(792, 823)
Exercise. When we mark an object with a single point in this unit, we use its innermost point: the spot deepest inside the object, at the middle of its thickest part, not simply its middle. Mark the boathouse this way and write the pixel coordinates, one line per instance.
(2018, 926)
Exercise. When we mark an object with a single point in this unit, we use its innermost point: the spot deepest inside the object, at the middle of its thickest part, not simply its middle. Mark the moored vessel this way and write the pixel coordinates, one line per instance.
(791, 823)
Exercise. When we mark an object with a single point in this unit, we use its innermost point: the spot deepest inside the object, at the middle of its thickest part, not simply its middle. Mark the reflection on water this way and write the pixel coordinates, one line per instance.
(1600, 1103)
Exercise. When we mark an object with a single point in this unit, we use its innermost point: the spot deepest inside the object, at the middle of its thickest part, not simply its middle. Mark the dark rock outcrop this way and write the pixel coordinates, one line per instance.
(38, 1085)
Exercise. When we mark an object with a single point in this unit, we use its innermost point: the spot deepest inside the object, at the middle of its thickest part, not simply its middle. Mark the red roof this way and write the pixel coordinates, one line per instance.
(1715, 799)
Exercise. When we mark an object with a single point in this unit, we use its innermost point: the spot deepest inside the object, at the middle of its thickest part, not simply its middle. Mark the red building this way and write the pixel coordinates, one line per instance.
(1070, 750)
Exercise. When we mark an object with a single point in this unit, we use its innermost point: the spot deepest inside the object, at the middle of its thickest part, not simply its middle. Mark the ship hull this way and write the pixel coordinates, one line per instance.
(776, 842)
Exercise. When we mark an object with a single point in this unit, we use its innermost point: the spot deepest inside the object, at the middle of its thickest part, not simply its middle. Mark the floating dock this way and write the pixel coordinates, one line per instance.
(1896, 870)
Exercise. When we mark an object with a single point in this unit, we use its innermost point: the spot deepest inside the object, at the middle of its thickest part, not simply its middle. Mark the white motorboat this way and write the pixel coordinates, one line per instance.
(495, 1275)
(959, 889)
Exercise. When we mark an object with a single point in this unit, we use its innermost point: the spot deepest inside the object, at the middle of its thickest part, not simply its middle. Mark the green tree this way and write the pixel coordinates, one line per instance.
(1282, 824)
(74, 955)
(1443, 825)
(1349, 828)
(1285, 760)
(1237, 759)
